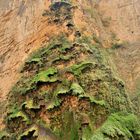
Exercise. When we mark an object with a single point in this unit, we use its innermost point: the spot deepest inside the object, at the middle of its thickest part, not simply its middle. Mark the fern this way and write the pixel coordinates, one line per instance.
(118, 124)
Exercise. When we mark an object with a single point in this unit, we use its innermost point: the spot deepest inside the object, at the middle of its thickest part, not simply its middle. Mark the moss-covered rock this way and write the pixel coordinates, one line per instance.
(68, 86)
(75, 99)
(118, 126)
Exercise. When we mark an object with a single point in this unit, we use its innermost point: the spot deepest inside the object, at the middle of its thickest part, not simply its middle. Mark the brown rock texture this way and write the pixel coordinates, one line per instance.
(125, 17)
(67, 88)
(23, 29)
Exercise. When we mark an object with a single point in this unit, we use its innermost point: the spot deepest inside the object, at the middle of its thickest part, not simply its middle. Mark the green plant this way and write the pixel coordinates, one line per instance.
(24, 86)
(3, 134)
(62, 57)
(118, 124)
(84, 39)
(30, 105)
(77, 89)
(16, 113)
(93, 100)
(74, 107)
(54, 103)
(33, 129)
(61, 89)
(78, 68)
(46, 76)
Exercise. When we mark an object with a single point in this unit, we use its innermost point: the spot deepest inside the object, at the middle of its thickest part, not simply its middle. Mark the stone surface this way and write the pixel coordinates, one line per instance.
(23, 29)
(125, 23)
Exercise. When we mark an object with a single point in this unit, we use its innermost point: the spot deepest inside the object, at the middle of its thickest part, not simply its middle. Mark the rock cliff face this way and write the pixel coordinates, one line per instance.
(124, 20)
(23, 29)
(125, 15)
(67, 88)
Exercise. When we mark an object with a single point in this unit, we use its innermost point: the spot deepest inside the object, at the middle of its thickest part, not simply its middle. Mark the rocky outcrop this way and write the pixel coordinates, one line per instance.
(19, 22)
(67, 89)
(122, 17)
(125, 18)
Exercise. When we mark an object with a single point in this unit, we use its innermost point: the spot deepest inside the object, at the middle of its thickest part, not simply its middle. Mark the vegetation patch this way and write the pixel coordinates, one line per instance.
(46, 76)
(78, 68)
(54, 103)
(23, 86)
(117, 125)
(31, 132)
(3, 135)
(63, 58)
(62, 89)
(93, 100)
(15, 112)
(77, 89)
(30, 104)
(73, 100)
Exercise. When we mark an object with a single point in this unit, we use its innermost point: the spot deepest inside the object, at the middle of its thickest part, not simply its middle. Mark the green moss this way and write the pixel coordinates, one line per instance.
(71, 132)
(46, 76)
(87, 48)
(62, 57)
(93, 83)
(16, 113)
(35, 57)
(78, 68)
(77, 89)
(66, 45)
(93, 100)
(61, 90)
(118, 124)
(84, 39)
(24, 86)
(74, 132)
(30, 105)
(54, 103)
(99, 136)
(26, 133)
(36, 60)
(86, 133)
(3, 134)
(59, 42)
